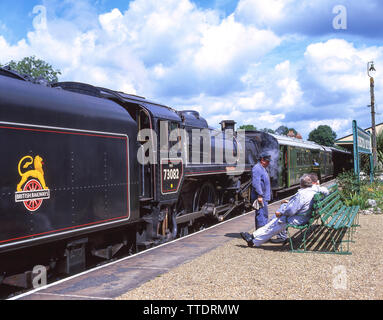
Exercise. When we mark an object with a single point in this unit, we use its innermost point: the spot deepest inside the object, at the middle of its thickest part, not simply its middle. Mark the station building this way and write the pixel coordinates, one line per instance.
(347, 141)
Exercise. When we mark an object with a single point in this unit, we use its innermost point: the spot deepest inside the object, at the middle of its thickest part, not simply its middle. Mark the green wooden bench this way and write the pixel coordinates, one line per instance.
(336, 221)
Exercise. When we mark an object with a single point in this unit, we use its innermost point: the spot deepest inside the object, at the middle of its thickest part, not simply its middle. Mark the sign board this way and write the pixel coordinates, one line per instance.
(364, 141)
(362, 144)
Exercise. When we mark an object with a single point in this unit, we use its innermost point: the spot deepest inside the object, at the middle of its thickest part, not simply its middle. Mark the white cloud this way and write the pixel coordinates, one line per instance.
(256, 102)
(262, 12)
(335, 124)
(288, 84)
(190, 58)
(158, 47)
(337, 65)
(232, 43)
(311, 18)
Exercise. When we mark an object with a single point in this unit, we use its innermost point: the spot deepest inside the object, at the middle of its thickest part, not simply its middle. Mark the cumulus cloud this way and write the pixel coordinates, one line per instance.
(335, 85)
(222, 66)
(232, 44)
(337, 71)
(312, 18)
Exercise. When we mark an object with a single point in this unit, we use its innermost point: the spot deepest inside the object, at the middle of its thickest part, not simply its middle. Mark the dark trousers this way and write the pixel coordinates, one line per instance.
(262, 216)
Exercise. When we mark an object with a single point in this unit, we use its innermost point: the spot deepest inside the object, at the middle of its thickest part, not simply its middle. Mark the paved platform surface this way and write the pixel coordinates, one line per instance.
(113, 280)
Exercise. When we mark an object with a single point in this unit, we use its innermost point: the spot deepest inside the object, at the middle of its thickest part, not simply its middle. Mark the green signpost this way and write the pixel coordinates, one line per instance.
(362, 144)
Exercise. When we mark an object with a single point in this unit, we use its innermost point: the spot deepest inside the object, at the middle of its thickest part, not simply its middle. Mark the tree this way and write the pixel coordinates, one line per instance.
(267, 130)
(323, 135)
(282, 130)
(249, 127)
(34, 68)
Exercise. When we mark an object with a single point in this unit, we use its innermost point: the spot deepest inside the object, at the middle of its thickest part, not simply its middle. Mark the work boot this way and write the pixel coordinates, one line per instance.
(248, 238)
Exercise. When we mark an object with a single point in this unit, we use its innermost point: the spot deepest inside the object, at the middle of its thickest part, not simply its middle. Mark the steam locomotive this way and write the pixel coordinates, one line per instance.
(88, 171)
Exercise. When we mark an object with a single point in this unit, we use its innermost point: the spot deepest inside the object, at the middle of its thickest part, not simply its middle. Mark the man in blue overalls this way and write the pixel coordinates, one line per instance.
(261, 189)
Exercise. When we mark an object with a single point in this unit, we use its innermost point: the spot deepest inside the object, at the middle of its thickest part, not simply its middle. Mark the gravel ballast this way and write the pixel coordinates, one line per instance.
(235, 271)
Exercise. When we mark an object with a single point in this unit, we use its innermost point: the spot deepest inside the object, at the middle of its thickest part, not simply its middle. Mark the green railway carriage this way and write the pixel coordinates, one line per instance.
(297, 157)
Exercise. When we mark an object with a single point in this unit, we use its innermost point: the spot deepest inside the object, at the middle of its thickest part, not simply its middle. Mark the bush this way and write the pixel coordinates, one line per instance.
(357, 200)
(348, 184)
(357, 194)
(373, 191)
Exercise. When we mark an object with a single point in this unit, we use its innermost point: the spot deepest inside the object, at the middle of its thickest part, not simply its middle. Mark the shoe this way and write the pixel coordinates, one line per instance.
(248, 238)
(278, 240)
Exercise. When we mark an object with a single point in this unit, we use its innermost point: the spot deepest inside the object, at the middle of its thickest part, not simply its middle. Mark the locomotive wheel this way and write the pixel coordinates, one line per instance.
(226, 197)
(205, 194)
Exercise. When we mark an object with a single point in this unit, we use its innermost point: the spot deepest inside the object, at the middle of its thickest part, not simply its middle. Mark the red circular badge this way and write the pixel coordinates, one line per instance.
(34, 204)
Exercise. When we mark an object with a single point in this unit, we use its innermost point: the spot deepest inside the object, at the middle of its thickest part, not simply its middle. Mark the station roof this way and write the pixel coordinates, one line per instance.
(284, 140)
(348, 140)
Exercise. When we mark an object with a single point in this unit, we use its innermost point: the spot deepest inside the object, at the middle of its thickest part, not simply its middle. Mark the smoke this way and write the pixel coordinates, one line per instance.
(264, 143)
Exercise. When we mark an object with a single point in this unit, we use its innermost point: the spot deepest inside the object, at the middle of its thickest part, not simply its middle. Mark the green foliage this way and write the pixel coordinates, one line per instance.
(356, 199)
(323, 135)
(35, 68)
(353, 193)
(248, 127)
(373, 191)
(365, 165)
(268, 130)
(348, 184)
(282, 130)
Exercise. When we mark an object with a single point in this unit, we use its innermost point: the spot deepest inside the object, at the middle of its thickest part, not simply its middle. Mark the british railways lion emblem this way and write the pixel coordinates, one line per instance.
(31, 189)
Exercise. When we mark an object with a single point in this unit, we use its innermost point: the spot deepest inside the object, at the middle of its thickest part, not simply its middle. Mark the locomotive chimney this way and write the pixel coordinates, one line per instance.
(227, 124)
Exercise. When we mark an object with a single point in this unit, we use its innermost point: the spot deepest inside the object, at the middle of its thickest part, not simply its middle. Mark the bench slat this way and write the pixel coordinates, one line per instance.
(339, 215)
(329, 205)
(327, 211)
(343, 219)
(326, 200)
(356, 209)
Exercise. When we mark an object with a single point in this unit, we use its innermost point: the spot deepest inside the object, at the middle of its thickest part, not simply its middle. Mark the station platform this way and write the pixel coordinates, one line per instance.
(216, 264)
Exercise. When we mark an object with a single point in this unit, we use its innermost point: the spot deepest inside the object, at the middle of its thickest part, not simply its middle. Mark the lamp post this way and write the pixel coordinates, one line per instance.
(371, 72)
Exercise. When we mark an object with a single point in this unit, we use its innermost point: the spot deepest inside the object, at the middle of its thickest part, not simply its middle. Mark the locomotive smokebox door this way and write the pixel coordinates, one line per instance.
(171, 176)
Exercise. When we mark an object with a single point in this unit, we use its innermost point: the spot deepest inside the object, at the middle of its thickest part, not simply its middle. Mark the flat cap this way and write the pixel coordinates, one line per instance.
(265, 156)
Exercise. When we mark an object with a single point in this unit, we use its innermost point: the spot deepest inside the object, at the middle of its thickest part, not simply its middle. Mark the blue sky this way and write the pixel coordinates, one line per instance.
(266, 63)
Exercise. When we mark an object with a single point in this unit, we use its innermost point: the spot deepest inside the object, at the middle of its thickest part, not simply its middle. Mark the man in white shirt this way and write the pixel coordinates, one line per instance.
(296, 211)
